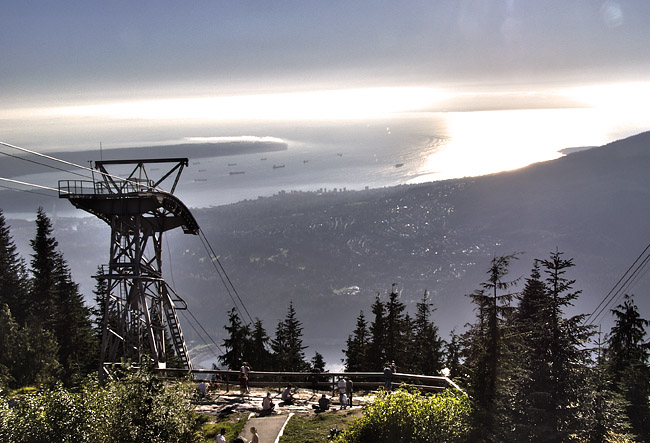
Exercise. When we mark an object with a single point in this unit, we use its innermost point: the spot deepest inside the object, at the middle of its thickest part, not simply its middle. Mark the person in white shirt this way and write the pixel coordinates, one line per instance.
(255, 438)
(267, 404)
(287, 396)
(343, 400)
(221, 437)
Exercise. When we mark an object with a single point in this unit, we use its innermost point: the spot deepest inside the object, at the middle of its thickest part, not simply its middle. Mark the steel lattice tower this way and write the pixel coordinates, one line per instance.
(139, 307)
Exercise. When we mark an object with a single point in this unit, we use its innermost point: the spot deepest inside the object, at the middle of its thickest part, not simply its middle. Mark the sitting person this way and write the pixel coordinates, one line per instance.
(323, 403)
(202, 388)
(267, 404)
(287, 396)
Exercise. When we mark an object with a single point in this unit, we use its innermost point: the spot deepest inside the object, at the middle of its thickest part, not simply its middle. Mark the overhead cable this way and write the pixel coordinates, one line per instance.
(49, 157)
(631, 275)
(230, 288)
(27, 190)
(43, 164)
(198, 334)
(11, 180)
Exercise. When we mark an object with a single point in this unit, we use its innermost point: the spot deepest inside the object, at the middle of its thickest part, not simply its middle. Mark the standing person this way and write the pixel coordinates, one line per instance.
(348, 390)
(254, 437)
(221, 437)
(342, 398)
(243, 378)
(388, 377)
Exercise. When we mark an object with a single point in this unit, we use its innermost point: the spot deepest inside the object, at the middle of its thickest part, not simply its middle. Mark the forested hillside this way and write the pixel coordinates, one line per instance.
(332, 253)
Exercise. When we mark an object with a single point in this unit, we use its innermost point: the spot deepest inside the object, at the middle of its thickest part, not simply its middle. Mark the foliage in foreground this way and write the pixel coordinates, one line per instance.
(403, 416)
(317, 427)
(234, 427)
(136, 408)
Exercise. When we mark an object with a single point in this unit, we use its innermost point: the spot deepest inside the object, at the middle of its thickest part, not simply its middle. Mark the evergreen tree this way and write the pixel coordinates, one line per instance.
(28, 354)
(44, 273)
(395, 342)
(452, 355)
(79, 348)
(287, 346)
(427, 345)
(376, 356)
(13, 275)
(58, 306)
(406, 361)
(258, 356)
(356, 350)
(533, 411)
(485, 355)
(628, 356)
(237, 343)
(557, 391)
(318, 362)
(567, 355)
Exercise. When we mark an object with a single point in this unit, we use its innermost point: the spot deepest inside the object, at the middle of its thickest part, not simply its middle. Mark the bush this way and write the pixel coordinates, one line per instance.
(137, 408)
(403, 416)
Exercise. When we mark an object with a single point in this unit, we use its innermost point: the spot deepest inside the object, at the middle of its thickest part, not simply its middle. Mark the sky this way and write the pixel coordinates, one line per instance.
(75, 73)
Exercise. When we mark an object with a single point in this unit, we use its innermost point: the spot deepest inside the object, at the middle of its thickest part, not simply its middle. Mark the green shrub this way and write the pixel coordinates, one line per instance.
(137, 408)
(403, 416)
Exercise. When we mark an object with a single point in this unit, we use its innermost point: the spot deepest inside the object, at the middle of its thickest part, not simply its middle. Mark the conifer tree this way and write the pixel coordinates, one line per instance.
(318, 362)
(556, 388)
(394, 341)
(237, 343)
(28, 354)
(427, 345)
(287, 345)
(258, 356)
(13, 275)
(453, 355)
(484, 351)
(79, 349)
(356, 350)
(567, 356)
(533, 413)
(628, 356)
(58, 305)
(376, 356)
(43, 268)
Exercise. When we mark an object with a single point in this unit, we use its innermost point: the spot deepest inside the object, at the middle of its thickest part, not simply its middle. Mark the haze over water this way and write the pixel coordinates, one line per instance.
(410, 149)
(404, 148)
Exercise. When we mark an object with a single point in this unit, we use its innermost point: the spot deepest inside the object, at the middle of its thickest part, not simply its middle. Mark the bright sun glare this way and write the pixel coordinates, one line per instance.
(353, 104)
(489, 141)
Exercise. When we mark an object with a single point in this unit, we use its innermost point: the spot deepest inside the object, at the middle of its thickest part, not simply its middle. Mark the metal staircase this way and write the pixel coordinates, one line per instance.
(175, 328)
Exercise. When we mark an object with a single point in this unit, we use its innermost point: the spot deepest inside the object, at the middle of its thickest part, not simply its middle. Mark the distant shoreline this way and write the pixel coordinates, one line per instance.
(568, 151)
(191, 150)
(11, 167)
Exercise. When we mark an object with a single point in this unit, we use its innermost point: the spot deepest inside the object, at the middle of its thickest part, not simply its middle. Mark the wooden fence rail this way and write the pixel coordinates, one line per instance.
(323, 381)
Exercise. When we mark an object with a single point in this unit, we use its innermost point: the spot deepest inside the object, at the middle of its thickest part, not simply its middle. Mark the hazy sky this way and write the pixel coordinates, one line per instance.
(63, 62)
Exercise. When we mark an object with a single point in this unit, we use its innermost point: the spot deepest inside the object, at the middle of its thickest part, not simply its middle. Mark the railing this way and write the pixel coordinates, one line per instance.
(76, 187)
(315, 380)
(88, 187)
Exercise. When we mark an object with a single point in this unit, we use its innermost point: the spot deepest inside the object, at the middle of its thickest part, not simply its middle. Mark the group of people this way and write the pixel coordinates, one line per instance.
(344, 387)
(221, 437)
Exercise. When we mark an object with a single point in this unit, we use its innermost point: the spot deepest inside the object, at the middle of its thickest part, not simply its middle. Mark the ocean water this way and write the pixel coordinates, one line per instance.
(410, 149)
(358, 154)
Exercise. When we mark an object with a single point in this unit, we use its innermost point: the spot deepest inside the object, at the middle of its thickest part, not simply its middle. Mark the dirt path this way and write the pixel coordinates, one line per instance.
(220, 404)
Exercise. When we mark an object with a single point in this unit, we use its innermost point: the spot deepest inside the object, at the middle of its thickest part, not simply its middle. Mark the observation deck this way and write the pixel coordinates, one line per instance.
(111, 196)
